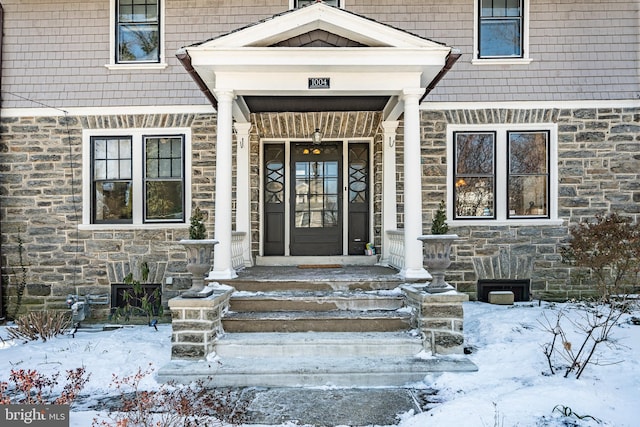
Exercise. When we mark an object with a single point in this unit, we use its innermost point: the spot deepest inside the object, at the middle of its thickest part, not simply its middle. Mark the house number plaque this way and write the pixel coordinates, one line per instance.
(319, 83)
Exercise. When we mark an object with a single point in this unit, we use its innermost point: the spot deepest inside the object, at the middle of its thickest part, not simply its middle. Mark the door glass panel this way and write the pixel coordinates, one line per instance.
(316, 199)
(274, 174)
(358, 173)
(274, 199)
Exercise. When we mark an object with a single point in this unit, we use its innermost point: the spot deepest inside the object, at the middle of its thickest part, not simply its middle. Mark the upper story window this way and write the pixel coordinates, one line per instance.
(136, 35)
(501, 29)
(301, 3)
(136, 178)
(503, 173)
(137, 31)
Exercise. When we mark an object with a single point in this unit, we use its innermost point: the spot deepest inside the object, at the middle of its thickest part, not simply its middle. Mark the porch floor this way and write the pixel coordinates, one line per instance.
(325, 273)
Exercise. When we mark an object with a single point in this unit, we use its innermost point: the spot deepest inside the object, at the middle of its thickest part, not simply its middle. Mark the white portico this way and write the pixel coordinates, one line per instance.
(314, 59)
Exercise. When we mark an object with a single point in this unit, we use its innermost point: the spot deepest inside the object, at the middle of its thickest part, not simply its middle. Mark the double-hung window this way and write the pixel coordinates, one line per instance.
(503, 173)
(501, 30)
(163, 178)
(112, 170)
(136, 178)
(137, 37)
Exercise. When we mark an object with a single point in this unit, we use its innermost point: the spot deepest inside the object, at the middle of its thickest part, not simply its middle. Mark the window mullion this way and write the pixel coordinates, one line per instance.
(138, 179)
(501, 179)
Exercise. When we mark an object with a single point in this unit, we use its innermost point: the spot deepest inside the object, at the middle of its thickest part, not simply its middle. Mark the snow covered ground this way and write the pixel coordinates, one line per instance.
(513, 386)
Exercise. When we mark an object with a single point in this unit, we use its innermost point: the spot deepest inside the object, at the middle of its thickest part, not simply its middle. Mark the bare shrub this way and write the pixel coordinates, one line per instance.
(171, 405)
(34, 388)
(609, 248)
(40, 325)
(591, 329)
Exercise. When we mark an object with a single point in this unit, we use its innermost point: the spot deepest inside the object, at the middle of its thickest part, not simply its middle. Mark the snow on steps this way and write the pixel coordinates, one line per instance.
(342, 327)
(315, 359)
(320, 311)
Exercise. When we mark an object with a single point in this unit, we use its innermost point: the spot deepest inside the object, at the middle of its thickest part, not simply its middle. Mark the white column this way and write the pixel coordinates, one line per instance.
(243, 188)
(222, 268)
(413, 268)
(389, 181)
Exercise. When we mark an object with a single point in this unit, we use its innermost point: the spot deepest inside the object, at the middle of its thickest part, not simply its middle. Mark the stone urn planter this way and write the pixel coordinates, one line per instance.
(199, 255)
(437, 251)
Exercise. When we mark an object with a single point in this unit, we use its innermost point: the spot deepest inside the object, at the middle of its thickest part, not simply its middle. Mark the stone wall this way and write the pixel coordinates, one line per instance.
(45, 255)
(598, 169)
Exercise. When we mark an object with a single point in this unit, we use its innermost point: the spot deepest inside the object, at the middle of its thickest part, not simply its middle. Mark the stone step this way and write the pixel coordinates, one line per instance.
(319, 344)
(328, 278)
(315, 301)
(312, 285)
(349, 372)
(317, 321)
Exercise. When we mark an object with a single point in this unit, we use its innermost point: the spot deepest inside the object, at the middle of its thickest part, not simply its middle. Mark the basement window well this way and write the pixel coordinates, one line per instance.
(519, 287)
(147, 296)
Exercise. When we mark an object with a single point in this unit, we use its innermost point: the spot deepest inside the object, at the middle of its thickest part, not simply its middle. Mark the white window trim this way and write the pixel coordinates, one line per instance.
(137, 135)
(113, 65)
(501, 174)
(526, 59)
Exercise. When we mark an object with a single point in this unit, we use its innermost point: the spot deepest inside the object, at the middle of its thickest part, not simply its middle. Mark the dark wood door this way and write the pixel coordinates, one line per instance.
(316, 199)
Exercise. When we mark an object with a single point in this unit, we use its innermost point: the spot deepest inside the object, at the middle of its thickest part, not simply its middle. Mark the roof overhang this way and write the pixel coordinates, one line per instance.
(268, 65)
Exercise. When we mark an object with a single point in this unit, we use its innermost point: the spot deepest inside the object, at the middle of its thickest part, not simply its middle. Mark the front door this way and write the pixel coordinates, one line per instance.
(316, 199)
(308, 212)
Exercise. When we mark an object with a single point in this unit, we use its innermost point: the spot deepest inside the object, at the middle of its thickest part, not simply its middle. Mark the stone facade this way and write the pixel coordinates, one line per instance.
(598, 171)
(46, 255)
(45, 249)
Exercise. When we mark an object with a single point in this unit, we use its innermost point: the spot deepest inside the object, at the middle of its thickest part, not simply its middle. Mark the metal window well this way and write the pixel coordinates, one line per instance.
(519, 287)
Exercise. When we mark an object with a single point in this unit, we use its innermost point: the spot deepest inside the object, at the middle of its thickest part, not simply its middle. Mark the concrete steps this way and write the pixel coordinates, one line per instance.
(319, 344)
(317, 321)
(337, 327)
(315, 359)
(349, 372)
(319, 311)
(315, 301)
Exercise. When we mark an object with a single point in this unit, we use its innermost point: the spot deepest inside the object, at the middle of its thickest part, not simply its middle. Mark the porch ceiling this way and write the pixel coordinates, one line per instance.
(312, 104)
(333, 125)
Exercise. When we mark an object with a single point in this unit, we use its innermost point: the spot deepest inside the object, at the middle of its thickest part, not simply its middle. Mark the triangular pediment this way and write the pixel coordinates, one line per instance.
(314, 57)
(319, 25)
(318, 38)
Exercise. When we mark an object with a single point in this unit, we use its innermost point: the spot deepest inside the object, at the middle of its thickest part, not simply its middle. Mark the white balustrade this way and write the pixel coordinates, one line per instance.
(237, 249)
(396, 248)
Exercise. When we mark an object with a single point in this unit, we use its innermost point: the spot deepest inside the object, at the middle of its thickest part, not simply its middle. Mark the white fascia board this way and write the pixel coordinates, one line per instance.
(343, 83)
(320, 16)
(327, 58)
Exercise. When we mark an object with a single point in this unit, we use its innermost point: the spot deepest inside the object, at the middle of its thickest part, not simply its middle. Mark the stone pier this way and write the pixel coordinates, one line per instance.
(197, 323)
(439, 316)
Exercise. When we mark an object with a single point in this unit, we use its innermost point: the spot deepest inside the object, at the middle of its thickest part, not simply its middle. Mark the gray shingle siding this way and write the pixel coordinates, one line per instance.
(55, 52)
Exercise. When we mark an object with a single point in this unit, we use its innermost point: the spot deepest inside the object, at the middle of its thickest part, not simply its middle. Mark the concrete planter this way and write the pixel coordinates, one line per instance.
(437, 251)
(199, 256)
